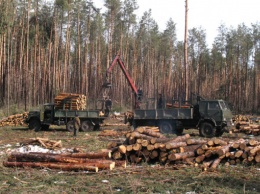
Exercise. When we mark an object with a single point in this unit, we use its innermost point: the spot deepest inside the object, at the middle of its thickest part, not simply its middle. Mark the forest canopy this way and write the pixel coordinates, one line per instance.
(49, 47)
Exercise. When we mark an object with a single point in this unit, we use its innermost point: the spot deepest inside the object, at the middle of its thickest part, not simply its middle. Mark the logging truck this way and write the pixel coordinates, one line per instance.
(211, 117)
(51, 115)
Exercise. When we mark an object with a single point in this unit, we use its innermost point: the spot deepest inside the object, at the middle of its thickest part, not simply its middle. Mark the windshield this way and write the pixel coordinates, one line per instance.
(223, 105)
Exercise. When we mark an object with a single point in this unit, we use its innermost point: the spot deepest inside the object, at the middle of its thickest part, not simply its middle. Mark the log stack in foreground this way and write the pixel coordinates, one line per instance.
(70, 101)
(88, 161)
(14, 120)
(148, 145)
(247, 125)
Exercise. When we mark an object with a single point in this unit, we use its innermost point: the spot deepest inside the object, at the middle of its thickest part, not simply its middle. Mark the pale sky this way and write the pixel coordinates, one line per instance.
(207, 14)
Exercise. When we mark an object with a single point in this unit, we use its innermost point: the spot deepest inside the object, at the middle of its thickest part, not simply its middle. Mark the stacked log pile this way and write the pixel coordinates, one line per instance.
(14, 120)
(70, 101)
(88, 161)
(247, 125)
(148, 145)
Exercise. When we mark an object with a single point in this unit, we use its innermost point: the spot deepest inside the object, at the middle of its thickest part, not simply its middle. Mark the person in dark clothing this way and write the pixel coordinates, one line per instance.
(160, 102)
(139, 94)
(76, 124)
(108, 105)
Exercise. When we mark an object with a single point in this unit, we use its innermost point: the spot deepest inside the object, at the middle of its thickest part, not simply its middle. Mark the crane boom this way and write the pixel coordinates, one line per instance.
(138, 93)
(122, 66)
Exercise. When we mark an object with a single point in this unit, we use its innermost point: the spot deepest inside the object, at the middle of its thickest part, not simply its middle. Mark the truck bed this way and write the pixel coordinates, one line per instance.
(174, 113)
(81, 113)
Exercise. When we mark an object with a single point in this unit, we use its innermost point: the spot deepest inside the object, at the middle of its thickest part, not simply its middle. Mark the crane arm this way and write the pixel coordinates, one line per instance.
(118, 60)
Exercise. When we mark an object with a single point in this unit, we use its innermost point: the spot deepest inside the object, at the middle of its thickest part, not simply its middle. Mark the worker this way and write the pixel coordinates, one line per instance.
(108, 105)
(139, 94)
(160, 102)
(76, 124)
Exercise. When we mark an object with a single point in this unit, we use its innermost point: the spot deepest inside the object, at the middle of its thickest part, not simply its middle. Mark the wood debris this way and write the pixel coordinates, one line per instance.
(14, 120)
(43, 142)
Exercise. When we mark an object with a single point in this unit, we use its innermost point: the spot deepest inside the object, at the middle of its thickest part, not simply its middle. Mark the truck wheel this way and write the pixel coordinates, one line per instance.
(207, 130)
(35, 124)
(165, 127)
(219, 132)
(70, 126)
(45, 127)
(86, 126)
(179, 131)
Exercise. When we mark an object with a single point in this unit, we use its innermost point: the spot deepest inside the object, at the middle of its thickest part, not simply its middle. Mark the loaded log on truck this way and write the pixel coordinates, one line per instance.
(62, 112)
(210, 117)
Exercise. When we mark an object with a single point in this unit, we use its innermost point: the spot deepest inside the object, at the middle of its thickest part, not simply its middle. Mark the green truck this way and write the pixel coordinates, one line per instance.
(211, 117)
(50, 115)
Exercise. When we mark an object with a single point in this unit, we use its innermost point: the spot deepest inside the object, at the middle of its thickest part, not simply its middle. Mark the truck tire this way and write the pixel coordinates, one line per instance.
(70, 126)
(86, 126)
(207, 130)
(219, 132)
(35, 124)
(165, 127)
(179, 131)
(45, 127)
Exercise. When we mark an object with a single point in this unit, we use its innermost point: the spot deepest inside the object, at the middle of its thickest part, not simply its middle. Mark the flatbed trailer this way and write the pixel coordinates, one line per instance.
(42, 119)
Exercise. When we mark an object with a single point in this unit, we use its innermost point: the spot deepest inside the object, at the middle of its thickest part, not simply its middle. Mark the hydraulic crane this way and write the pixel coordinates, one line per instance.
(138, 92)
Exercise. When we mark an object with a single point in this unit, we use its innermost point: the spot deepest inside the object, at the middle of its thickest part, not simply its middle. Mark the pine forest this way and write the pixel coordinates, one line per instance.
(50, 47)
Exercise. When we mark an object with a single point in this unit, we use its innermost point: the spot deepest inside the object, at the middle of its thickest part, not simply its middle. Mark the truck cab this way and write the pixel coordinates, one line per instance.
(41, 119)
(214, 117)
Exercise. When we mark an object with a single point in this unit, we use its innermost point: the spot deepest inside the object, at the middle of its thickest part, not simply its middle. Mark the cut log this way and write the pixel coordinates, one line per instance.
(236, 144)
(150, 132)
(173, 145)
(222, 151)
(200, 151)
(210, 142)
(159, 140)
(91, 155)
(154, 154)
(137, 147)
(116, 155)
(195, 141)
(113, 144)
(146, 152)
(129, 148)
(190, 148)
(120, 163)
(179, 156)
(242, 146)
(59, 166)
(137, 135)
(150, 147)
(254, 150)
(122, 149)
(239, 153)
(257, 158)
(182, 138)
(216, 162)
(199, 159)
(218, 141)
(145, 143)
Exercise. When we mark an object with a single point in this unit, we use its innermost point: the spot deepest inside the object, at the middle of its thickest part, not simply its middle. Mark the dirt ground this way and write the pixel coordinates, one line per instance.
(135, 178)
